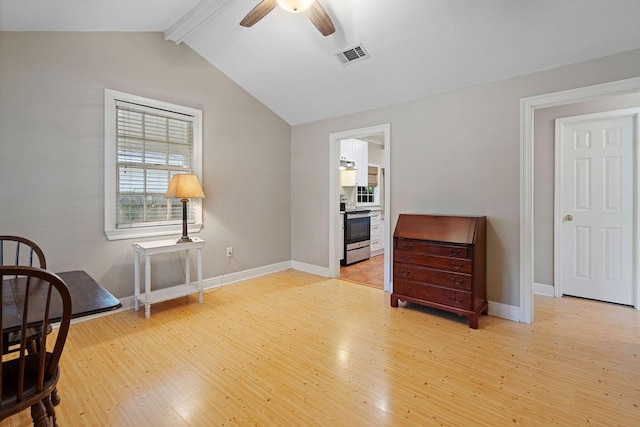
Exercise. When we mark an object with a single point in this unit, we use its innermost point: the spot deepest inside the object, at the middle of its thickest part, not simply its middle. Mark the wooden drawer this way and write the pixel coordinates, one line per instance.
(433, 248)
(457, 265)
(430, 276)
(437, 294)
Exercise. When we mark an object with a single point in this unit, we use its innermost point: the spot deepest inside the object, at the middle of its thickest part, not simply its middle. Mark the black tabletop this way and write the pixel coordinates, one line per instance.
(87, 298)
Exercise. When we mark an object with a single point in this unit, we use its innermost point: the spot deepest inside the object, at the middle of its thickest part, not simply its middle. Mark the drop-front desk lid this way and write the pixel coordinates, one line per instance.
(439, 228)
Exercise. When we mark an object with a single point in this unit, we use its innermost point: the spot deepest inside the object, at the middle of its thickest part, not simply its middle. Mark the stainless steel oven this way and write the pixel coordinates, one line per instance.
(357, 236)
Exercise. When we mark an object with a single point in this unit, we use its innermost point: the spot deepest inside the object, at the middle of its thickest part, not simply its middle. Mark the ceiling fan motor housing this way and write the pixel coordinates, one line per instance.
(295, 6)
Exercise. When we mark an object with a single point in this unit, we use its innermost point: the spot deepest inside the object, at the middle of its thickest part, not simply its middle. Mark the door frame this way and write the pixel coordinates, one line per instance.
(527, 109)
(334, 195)
(558, 266)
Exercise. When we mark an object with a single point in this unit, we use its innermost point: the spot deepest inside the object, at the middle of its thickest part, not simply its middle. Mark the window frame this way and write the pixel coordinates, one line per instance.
(363, 191)
(111, 166)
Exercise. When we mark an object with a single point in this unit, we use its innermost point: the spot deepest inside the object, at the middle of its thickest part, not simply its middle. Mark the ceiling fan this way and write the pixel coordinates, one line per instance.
(314, 10)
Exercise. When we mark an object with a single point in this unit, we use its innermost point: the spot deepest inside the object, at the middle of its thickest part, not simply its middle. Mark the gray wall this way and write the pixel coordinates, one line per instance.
(266, 183)
(51, 152)
(544, 155)
(456, 152)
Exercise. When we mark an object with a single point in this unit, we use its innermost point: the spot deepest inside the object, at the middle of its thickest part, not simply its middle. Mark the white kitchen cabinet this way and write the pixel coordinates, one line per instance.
(377, 233)
(348, 178)
(361, 156)
(356, 151)
(346, 150)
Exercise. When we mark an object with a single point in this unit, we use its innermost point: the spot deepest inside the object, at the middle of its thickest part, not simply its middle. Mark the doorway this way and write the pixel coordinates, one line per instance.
(527, 108)
(382, 134)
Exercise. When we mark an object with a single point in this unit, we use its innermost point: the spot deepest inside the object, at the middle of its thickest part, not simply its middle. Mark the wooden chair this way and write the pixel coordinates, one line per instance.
(28, 379)
(16, 250)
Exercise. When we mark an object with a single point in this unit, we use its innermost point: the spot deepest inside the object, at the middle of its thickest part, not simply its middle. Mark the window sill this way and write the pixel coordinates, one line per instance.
(162, 230)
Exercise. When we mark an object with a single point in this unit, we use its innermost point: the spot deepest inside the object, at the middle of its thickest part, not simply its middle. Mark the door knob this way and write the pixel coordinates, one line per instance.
(568, 217)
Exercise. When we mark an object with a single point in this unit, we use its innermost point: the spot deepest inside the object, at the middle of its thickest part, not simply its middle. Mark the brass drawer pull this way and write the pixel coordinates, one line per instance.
(457, 281)
(407, 246)
(457, 300)
(405, 257)
(456, 265)
(454, 251)
(404, 272)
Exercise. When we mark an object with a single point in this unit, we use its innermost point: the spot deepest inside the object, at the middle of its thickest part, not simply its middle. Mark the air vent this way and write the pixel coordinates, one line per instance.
(352, 54)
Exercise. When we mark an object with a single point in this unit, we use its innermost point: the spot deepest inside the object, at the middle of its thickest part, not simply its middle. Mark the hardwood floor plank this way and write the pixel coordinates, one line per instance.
(293, 349)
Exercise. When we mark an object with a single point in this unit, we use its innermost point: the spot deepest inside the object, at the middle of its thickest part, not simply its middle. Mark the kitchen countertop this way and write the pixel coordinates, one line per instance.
(375, 208)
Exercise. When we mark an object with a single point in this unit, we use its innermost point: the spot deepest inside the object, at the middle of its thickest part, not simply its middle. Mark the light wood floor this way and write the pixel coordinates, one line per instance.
(294, 349)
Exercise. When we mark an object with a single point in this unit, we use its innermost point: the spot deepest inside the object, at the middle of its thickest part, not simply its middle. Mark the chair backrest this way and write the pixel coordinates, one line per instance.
(37, 296)
(16, 250)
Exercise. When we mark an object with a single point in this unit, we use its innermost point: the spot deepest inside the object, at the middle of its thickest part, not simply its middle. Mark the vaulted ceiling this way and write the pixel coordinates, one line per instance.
(416, 47)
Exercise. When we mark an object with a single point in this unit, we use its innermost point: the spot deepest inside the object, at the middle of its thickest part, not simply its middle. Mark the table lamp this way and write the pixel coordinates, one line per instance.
(184, 187)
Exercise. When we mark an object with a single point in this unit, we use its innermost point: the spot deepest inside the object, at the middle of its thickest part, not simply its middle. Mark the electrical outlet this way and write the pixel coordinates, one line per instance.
(229, 251)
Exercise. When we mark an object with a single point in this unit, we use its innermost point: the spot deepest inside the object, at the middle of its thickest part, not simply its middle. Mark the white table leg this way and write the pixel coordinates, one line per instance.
(136, 281)
(147, 286)
(199, 262)
(187, 267)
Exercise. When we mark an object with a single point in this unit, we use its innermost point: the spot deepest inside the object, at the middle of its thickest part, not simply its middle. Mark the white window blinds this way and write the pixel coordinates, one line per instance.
(152, 146)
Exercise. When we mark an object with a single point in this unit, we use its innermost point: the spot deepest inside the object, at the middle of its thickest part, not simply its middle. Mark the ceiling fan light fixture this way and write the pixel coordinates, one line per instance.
(295, 6)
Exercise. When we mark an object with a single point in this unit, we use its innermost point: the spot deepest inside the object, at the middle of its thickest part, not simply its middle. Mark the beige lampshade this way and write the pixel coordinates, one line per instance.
(185, 187)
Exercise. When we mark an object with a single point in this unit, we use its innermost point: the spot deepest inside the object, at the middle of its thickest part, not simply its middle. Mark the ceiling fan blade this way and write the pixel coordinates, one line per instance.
(320, 19)
(258, 12)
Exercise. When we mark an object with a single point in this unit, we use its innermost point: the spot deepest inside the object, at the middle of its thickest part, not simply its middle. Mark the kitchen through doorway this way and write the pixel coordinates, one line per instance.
(351, 192)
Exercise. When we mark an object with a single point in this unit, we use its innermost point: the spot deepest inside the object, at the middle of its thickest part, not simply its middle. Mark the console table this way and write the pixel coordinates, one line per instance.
(147, 249)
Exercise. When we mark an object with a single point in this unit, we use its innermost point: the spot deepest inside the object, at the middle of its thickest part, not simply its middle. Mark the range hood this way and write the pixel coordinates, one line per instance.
(346, 165)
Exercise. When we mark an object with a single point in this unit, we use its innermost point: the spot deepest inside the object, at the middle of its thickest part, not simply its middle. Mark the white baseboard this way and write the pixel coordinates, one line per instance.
(509, 312)
(227, 279)
(540, 289)
(210, 283)
(127, 303)
(310, 268)
(504, 311)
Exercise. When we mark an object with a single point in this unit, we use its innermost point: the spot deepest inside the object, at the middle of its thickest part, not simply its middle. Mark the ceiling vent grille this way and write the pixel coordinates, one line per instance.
(353, 54)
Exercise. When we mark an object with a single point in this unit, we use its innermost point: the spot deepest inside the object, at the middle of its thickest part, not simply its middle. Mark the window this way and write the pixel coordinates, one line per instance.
(365, 195)
(369, 194)
(146, 143)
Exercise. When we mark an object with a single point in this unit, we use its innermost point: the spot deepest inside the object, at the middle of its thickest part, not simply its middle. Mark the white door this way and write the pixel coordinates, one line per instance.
(595, 206)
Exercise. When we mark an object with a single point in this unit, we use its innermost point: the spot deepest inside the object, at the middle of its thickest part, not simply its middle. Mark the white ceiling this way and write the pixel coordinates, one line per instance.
(417, 47)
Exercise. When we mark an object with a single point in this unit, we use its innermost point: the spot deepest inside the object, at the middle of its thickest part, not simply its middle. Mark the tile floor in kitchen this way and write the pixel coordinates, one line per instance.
(369, 272)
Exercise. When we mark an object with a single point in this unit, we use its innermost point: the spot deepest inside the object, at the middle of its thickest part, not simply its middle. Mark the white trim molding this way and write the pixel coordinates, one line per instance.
(542, 289)
(194, 19)
(527, 109)
(111, 98)
(310, 268)
(334, 193)
(504, 311)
